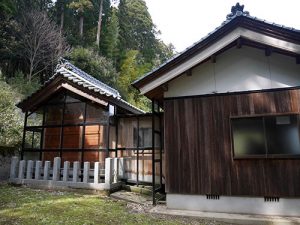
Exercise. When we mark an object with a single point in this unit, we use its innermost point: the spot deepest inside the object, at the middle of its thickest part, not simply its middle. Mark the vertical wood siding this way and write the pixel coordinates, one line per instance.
(198, 152)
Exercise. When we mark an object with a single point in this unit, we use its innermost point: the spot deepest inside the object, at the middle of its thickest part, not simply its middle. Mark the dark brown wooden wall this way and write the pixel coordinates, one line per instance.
(199, 158)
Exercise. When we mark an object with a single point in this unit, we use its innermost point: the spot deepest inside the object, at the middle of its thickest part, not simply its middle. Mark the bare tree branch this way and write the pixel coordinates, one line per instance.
(42, 43)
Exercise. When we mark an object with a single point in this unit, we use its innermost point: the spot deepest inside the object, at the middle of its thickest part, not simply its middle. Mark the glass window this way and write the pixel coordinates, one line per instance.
(72, 137)
(96, 114)
(53, 114)
(72, 99)
(145, 137)
(91, 157)
(248, 136)
(282, 135)
(35, 118)
(52, 138)
(71, 156)
(95, 137)
(268, 135)
(74, 113)
(58, 98)
(49, 156)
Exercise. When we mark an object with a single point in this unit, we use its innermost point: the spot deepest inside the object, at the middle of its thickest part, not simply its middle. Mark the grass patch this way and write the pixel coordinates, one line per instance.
(22, 205)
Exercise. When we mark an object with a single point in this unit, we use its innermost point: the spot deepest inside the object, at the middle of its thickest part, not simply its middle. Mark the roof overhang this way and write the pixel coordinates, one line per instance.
(256, 31)
(60, 83)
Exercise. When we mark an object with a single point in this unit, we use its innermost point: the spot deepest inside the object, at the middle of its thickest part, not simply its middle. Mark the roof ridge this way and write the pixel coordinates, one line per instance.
(69, 66)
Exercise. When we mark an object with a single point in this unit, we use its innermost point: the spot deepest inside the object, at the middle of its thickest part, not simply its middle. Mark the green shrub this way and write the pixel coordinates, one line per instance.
(11, 118)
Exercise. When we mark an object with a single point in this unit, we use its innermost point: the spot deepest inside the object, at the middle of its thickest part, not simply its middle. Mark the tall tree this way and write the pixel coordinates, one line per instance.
(42, 43)
(60, 4)
(99, 23)
(137, 30)
(94, 64)
(109, 46)
(80, 6)
(132, 67)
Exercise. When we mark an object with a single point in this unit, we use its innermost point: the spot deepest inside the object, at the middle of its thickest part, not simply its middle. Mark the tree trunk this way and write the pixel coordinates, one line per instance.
(99, 23)
(81, 26)
(62, 17)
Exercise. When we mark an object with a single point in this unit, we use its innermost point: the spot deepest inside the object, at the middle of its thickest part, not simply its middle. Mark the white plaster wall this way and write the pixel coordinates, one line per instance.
(248, 205)
(238, 70)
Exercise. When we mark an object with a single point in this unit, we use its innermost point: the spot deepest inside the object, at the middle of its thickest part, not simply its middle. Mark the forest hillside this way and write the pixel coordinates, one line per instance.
(114, 41)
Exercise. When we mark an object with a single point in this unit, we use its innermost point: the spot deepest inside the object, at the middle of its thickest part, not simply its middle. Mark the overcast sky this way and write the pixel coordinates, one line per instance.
(183, 22)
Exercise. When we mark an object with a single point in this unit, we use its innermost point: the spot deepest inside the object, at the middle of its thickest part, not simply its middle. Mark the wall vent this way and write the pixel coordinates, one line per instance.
(271, 199)
(213, 197)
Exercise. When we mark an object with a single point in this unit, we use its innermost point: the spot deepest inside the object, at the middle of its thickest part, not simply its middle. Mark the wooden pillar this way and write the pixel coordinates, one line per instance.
(24, 134)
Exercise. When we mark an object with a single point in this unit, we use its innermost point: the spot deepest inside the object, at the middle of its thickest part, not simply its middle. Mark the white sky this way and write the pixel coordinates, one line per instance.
(183, 22)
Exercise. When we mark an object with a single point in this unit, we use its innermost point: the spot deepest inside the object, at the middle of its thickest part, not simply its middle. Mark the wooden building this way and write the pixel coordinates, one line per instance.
(231, 116)
(78, 118)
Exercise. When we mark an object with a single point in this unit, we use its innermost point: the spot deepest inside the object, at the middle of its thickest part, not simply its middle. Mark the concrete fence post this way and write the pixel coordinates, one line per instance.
(86, 171)
(66, 171)
(22, 169)
(108, 170)
(29, 169)
(38, 167)
(13, 167)
(96, 172)
(121, 173)
(116, 170)
(56, 169)
(75, 171)
(47, 170)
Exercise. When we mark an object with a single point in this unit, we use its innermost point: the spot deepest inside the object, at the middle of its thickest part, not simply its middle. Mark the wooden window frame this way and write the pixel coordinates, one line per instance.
(263, 156)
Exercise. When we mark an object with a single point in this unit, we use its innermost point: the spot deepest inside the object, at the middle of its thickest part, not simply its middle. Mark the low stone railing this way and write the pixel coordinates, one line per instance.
(35, 173)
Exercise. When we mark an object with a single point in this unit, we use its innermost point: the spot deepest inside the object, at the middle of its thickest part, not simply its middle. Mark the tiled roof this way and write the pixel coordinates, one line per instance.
(228, 20)
(81, 78)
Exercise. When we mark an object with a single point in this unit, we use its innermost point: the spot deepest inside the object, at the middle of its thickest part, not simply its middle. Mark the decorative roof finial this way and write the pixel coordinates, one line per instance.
(237, 10)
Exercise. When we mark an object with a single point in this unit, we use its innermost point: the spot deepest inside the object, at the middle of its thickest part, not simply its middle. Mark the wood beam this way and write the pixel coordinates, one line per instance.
(268, 52)
(189, 72)
(213, 59)
(165, 87)
(298, 59)
(239, 43)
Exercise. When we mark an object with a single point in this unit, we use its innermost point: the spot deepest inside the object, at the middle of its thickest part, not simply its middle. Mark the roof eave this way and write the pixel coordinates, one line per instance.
(242, 21)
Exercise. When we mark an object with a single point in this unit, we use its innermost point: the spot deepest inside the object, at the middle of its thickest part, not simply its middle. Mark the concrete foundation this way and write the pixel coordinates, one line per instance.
(243, 205)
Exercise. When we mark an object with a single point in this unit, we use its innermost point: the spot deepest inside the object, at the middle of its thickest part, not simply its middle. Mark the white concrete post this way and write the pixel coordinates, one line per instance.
(56, 169)
(13, 167)
(116, 170)
(66, 171)
(29, 169)
(75, 171)
(86, 171)
(121, 168)
(108, 170)
(38, 167)
(22, 169)
(47, 170)
(96, 172)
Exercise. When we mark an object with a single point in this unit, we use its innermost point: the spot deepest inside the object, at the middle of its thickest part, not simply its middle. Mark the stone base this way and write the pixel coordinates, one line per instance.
(241, 205)
(50, 184)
